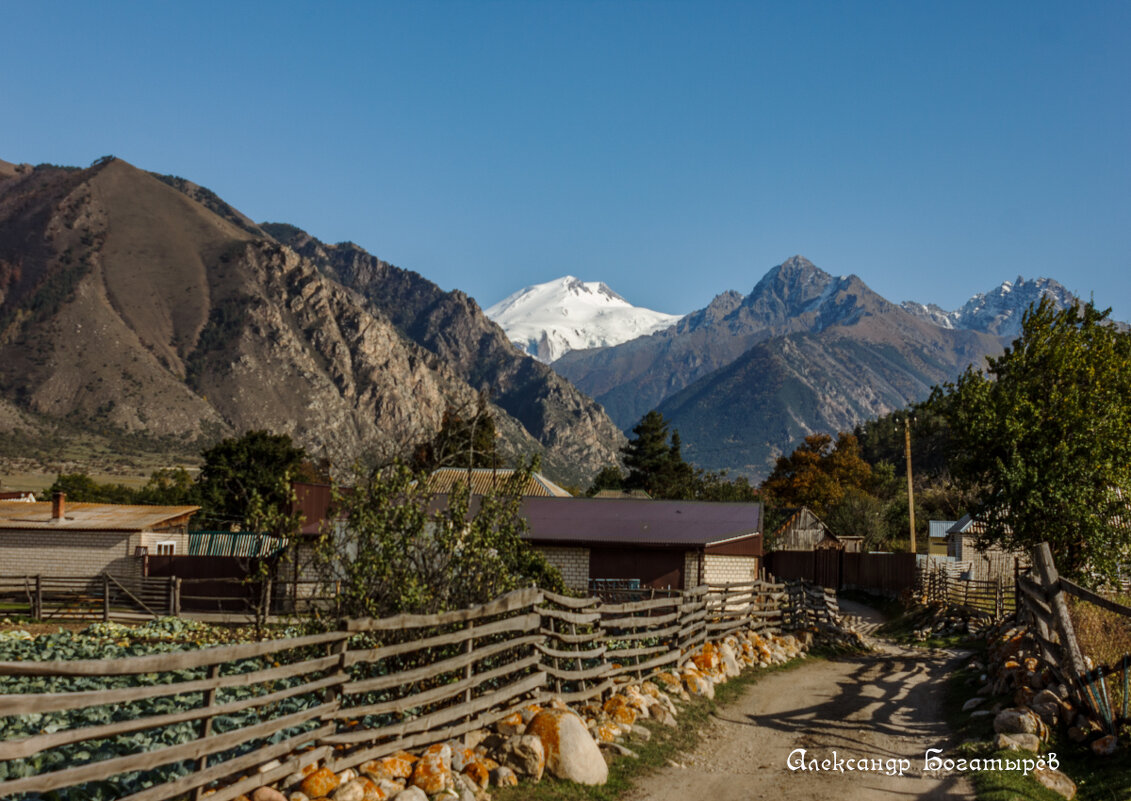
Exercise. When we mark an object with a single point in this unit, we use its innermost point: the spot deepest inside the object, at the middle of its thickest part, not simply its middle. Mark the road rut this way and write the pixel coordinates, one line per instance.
(884, 705)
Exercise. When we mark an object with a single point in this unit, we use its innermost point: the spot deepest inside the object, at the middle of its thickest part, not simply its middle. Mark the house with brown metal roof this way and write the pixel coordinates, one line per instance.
(661, 544)
(87, 539)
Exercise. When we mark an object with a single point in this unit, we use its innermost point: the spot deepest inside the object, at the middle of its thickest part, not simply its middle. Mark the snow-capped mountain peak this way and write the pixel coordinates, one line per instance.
(998, 311)
(547, 320)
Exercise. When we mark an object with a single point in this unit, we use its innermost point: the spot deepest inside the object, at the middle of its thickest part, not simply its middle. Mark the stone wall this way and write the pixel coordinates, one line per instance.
(571, 562)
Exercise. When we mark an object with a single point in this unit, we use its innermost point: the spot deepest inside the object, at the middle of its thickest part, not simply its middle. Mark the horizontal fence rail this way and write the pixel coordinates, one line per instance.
(167, 725)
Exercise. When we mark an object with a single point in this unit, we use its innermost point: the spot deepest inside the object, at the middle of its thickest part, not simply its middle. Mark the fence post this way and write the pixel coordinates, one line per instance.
(177, 597)
(38, 611)
(106, 597)
(1050, 581)
(469, 671)
(171, 594)
(206, 727)
(999, 600)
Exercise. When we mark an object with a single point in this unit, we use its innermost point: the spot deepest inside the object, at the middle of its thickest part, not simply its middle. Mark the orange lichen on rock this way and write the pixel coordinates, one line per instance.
(397, 766)
(320, 783)
(511, 724)
(607, 732)
(618, 709)
(371, 790)
(433, 772)
(478, 772)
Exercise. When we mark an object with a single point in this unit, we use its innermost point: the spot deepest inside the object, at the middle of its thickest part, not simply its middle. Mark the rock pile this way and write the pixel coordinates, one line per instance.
(541, 739)
(1039, 704)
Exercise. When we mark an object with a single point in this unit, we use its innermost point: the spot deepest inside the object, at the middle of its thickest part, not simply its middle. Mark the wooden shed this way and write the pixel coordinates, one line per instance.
(804, 531)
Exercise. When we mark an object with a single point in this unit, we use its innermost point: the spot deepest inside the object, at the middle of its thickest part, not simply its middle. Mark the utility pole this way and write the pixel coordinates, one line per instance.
(910, 489)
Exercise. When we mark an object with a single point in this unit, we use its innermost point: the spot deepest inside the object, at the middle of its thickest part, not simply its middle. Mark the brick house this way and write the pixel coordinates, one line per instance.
(87, 539)
(677, 544)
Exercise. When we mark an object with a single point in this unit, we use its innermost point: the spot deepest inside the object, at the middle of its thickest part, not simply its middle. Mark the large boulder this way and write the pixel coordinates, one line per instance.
(571, 753)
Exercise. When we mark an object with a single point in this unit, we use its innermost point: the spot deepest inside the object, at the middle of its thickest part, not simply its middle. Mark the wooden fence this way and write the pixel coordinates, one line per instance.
(109, 597)
(226, 714)
(1043, 604)
(885, 572)
(809, 606)
(995, 598)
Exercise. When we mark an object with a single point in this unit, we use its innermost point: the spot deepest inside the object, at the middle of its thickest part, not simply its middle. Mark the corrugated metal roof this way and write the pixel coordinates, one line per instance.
(938, 529)
(89, 516)
(638, 522)
(234, 543)
(486, 479)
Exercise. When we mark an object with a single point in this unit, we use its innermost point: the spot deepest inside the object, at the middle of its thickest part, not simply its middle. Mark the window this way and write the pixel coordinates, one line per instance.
(166, 548)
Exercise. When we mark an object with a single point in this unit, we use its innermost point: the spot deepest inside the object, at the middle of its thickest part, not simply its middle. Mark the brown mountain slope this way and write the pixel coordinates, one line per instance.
(573, 428)
(128, 305)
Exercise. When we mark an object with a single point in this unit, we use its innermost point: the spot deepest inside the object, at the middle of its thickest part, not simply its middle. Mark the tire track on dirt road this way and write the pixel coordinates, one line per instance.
(885, 705)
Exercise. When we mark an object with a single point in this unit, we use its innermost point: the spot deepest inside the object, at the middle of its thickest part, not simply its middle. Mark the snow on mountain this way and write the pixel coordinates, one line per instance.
(931, 313)
(998, 311)
(550, 319)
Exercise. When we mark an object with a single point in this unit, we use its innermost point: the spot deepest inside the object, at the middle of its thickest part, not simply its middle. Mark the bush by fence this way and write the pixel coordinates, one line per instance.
(150, 728)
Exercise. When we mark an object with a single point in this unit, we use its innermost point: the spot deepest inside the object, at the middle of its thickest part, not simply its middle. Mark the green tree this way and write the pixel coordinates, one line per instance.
(609, 477)
(169, 487)
(247, 479)
(465, 439)
(1041, 439)
(655, 461)
(397, 551)
(81, 488)
(860, 514)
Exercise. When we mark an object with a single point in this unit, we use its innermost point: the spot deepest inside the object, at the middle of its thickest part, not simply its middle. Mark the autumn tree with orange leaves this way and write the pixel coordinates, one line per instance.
(819, 473)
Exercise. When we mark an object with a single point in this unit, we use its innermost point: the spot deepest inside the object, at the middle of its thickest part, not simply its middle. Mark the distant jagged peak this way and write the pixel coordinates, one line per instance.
(550, 319)
(998, 311)
(931, 312)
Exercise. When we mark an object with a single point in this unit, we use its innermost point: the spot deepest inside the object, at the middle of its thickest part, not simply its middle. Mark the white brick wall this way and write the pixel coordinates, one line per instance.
(571, 562)
(71, 553)
(720, 569)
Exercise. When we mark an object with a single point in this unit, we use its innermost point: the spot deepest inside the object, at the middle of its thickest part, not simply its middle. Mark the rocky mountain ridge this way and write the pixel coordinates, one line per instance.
(748, 376)
(148, 308)
(999, 311)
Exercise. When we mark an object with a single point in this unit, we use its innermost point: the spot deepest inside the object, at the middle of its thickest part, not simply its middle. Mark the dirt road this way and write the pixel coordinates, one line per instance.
(881, 706)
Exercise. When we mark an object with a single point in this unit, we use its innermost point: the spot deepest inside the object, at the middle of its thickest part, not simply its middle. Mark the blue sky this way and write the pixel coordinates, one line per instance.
(672, 150)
